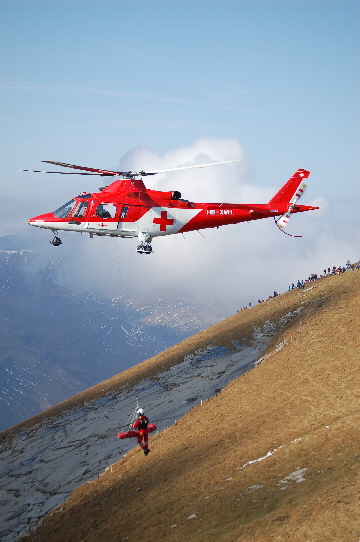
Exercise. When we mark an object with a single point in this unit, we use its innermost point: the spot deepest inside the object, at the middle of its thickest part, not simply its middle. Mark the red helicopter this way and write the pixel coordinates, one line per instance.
(126, 208)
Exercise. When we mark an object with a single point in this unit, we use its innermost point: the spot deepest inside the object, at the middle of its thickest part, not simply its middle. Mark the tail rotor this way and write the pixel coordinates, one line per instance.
(284, 219)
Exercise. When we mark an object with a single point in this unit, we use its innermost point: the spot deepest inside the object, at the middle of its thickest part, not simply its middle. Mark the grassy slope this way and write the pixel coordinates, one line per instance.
(302, 401)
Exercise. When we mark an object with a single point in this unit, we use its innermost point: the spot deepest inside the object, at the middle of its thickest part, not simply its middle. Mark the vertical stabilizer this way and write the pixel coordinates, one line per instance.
(289, 191)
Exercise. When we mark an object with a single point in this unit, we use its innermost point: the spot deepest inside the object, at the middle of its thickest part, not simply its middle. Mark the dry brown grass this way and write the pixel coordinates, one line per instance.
(302, 401)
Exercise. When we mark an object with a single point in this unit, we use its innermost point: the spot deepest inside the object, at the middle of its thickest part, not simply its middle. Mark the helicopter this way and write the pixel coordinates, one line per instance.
(126, 208)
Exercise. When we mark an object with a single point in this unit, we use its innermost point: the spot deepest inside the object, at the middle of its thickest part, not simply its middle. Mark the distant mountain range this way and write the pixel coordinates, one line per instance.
(56, 341)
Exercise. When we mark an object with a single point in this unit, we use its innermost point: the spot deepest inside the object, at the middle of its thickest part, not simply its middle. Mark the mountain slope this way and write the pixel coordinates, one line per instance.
(274, 456)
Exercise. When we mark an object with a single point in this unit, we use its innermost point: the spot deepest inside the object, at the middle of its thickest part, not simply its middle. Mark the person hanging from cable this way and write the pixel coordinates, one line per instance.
(141, 425)
(143, 428)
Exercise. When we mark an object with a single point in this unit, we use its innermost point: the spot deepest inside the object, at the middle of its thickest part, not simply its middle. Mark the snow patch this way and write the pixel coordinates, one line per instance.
(277, 349)
(269, 454)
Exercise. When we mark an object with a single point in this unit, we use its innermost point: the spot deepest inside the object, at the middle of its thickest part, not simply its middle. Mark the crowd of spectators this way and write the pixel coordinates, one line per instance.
(313, 277)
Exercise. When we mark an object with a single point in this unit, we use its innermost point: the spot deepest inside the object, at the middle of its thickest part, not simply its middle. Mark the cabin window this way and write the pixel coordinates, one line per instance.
(64, 210)
(81, 210)
(106, 210)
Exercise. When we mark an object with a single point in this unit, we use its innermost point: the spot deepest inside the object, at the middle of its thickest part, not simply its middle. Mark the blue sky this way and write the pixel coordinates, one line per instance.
(97, 83)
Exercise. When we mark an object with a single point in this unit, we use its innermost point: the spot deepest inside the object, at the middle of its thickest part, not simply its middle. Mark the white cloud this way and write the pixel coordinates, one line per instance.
(206, 184)
(230, 266)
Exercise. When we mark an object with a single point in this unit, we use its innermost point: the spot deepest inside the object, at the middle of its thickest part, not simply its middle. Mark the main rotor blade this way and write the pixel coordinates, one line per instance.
(190, 167)
(99, 171)
(108, 173)
(71, 173)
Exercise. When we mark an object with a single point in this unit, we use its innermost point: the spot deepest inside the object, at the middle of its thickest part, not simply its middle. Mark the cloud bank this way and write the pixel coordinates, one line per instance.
(227, 267)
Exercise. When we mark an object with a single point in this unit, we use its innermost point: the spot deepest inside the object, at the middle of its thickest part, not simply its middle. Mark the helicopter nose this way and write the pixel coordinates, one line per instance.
(33, 221)
(41, 220)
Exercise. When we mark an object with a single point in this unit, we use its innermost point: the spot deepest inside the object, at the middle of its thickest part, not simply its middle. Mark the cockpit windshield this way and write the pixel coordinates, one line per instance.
(64, 211)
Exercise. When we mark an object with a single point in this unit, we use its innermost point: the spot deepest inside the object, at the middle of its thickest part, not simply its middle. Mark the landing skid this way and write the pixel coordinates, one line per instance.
(56, 241)
(144, 248)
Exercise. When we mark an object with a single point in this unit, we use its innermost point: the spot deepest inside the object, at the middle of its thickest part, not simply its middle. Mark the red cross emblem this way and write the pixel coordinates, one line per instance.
(164, 221)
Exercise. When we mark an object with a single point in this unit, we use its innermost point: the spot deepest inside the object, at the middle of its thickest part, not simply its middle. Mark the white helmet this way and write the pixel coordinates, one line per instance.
(140, 411)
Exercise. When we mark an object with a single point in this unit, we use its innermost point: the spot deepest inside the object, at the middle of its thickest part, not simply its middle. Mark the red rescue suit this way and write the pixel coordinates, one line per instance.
(141, 425)
(130, 434)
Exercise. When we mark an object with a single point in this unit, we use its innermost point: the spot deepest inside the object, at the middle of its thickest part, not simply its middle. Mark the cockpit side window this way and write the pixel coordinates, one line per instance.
(64, 210)
(81, 209)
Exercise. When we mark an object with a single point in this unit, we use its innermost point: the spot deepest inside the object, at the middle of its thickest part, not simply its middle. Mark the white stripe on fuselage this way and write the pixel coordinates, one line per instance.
(88, 227)
(164, 220)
